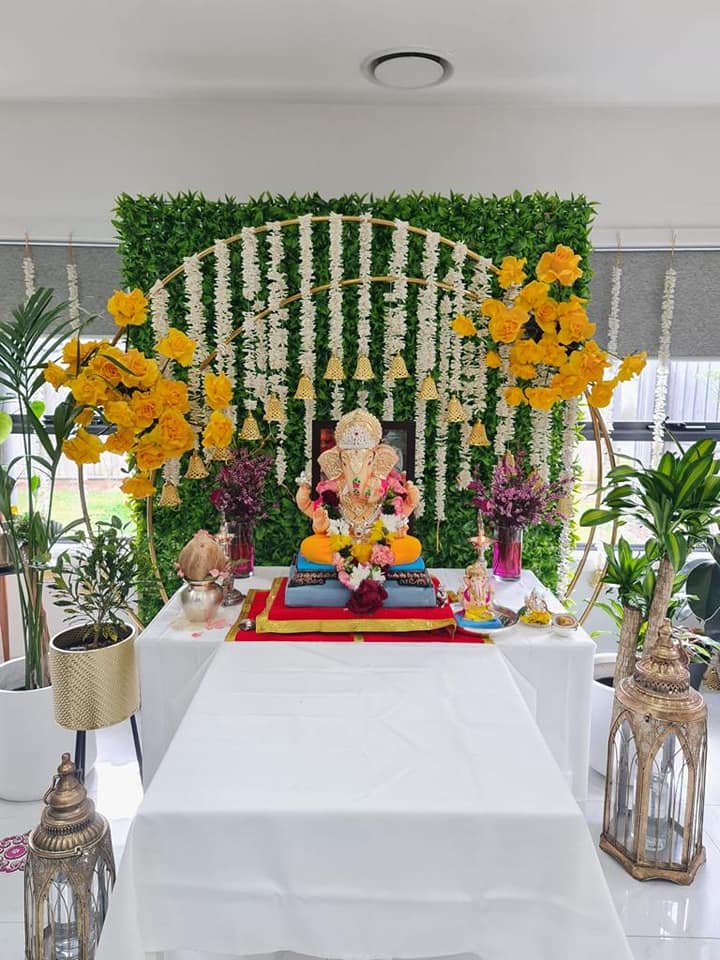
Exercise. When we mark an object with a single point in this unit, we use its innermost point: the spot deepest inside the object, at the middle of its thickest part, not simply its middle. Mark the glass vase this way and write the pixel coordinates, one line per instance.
(241, 547)
(507, 551)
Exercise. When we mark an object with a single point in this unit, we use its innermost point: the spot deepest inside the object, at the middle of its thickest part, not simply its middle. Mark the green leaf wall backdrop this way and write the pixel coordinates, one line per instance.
(157, 232)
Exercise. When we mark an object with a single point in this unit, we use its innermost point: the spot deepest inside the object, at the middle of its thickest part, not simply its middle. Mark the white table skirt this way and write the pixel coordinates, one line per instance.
(174, 655)
(360, 801)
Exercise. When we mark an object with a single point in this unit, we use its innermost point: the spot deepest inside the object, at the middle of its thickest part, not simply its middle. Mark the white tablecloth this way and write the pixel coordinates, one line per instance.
(174, 655)
(358, 801)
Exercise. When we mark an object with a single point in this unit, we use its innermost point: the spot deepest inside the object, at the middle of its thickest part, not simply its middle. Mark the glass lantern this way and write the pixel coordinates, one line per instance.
(69, 874)
(655, 784)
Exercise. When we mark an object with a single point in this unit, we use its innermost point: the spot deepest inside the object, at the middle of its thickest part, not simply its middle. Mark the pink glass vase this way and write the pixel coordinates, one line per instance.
(507, 552)
(241, 547)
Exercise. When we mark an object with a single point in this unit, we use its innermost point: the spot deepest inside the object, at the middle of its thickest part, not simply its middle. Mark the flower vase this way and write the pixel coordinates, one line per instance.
(241, 547)
(507, 552)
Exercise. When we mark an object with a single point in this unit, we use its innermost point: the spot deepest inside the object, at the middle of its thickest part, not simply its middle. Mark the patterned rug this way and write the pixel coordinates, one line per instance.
(13, 853)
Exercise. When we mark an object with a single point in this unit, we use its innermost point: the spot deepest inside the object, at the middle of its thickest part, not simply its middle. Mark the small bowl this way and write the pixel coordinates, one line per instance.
(564, 623)
(246, 624)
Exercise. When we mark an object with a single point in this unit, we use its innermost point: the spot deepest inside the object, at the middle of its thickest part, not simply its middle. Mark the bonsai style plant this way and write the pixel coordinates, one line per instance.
(676, 503)
(93, 662)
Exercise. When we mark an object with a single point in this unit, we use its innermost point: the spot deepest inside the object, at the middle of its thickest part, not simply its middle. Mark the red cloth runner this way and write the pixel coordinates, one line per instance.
(257, 602)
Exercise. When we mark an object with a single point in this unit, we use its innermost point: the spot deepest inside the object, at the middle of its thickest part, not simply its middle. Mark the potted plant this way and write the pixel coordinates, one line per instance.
(92, 662)
(28, 339)
(703, 600)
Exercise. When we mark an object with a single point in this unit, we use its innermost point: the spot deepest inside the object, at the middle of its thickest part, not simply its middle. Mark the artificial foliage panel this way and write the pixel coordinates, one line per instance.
(157, 232)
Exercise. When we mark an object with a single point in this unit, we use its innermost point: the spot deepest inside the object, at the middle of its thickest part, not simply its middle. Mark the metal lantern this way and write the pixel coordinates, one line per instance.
(655, 785)
(69, 873)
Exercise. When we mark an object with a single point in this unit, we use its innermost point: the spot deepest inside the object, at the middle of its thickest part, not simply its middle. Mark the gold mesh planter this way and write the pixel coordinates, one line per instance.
(93, 688)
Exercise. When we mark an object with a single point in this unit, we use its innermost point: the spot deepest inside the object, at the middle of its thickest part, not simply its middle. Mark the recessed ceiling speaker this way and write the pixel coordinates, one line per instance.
(408, 69)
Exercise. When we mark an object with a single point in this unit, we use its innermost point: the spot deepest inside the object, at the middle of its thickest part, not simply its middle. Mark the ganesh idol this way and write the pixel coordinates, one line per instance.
(360, 487)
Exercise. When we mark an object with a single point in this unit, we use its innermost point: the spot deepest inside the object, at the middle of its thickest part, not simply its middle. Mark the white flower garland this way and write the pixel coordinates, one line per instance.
(504, 412)
(442, 427)
(277, 336)
(540, 426)
(663, 365)
(73, 293)
(307, 326)
(613, 333)
(335, 300)
(364, 294)
(396, 319)
(567, 458)
(223, 317)
(159, 299)
(253, 331)
(480, 285)
(425, 347)
(196, 332)
(28, 265)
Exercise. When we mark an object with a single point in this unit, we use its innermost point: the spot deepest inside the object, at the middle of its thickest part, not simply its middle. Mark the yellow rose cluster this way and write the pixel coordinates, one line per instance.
(146, 408)
(549, 331)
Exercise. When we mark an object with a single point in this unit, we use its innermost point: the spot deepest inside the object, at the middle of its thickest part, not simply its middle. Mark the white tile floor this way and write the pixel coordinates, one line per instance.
(662, 921)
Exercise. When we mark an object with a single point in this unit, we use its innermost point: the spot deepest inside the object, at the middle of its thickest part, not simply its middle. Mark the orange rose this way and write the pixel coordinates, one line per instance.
(574, 324)
(524, 351)
(150, 453)
(171, 394)
(523, 371)
(75, 354)
(122, 441)
(492, 308)
(84, 447)
(511, 272)
(505, 326)
(560, 265)
(218, 432)
(103, 366)
(218, 391)
(601, 393)
(541, 398)
(88, 390)
(532, 295)
(550, 352)
(492, 359)
(514, 396)
(119, 412)
(84, 418)
(55, 375)
(589, 362)
(631, 366)
(546, 316)
(463, 326)
(151, 375)
(174, 433)
(128, 309)
(568, 385)
(144, 408)
(138, 486)
(177, 346)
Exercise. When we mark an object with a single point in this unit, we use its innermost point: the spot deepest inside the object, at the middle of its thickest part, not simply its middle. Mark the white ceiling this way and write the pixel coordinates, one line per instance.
(596, 52)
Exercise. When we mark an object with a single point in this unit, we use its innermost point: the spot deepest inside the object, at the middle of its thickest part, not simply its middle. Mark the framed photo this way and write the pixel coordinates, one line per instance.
(400, 434)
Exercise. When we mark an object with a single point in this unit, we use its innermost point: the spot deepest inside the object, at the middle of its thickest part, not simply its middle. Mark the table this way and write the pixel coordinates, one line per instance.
(173, 657)
(358, 801)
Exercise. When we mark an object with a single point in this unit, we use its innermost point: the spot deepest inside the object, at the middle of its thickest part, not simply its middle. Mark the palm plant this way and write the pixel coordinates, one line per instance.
(29, 339)
(676, 503)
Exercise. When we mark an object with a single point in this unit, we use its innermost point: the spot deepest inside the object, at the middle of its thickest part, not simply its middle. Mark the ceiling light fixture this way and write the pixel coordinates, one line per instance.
(408, 69)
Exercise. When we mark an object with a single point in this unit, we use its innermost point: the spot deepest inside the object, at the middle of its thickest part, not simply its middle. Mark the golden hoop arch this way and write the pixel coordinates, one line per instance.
(600, 432)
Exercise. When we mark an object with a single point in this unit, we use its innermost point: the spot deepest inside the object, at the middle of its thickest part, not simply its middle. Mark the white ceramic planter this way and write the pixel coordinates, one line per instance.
(31, 743)
(602, 704)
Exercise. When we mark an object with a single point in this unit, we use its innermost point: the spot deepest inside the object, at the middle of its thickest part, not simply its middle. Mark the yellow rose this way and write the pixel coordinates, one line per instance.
(338, 542)
(84, 447)
(174, 433)
(55, 375)
(171, 394)
(601, 393)
(532, 295)
(560, 265)
(144, 408)
(541, 398)
(102, 366)
(75, 354)
(514, 396)
(361, 552)
(134, 367)
(128, 309)
(524, 351)
(151, 375)
(589, 362)
(138, 486)
(505, 326)
(84, 418)
(574, 324)
(177, 346)
(150, 453)
(550, 352)
(492, 359)
(492, 308)
(464, 326)
(511, 272)
(523, 371)
(568, 385)
(218, 391)
(546, 316)
(120, 413)
(218, 432)
(122, 441)
(88, 390)
(631, 366)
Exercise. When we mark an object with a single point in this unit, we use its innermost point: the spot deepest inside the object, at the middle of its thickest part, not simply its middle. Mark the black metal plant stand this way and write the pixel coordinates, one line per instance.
(80, 746)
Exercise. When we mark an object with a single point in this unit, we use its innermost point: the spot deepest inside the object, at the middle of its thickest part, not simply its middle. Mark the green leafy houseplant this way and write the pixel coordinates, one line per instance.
(676, 503)
(93, 582)
(703, 588)
(29, 339)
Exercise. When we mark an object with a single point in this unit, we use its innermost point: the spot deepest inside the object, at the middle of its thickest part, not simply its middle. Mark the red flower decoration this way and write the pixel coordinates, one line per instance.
(368, 598)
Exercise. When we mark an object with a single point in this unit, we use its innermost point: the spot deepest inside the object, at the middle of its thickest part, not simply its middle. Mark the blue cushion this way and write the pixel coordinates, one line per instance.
(303, 564)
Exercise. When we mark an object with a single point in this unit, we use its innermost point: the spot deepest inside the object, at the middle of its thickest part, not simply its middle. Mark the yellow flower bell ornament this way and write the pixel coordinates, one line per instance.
(398, 369)
(363, 369)
(305, 389)
(428, 389)
(455, 412)
(334, 369)
(250, 429)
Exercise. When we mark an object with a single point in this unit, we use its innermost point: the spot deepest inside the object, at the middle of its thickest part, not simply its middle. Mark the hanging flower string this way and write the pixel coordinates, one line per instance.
(364, 293)
(196, 332)
(306, 358)
(28, 266)
(442, 427)
(663, 363)
(335, 303)
(396, 319)
(614, 328)
(425, 347)
(567, 460)
(73, 291)
(277, 336)
(223, 318)
(253, 335)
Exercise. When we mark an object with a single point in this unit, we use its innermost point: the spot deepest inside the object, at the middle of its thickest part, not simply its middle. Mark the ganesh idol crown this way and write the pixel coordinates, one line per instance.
(360, 512)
